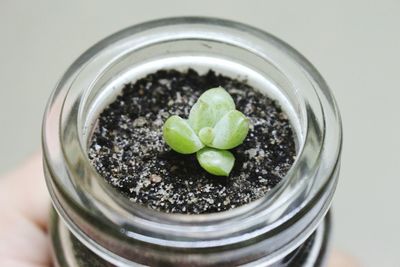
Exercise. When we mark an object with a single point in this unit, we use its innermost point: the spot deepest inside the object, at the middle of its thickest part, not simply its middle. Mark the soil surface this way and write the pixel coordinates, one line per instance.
(128, 150)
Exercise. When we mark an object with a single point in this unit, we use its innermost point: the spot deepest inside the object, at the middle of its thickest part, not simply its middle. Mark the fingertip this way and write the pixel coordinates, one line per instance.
(342, 259)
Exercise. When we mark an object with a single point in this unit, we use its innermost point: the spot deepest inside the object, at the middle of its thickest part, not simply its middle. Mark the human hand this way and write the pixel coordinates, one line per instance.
(24, 210)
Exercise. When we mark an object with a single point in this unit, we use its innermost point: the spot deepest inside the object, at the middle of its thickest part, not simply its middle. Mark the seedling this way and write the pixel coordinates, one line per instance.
(214, 126)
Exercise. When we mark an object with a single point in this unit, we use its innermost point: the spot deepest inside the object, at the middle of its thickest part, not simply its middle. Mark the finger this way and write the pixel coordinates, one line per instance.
(25, 190)
(24, 208)
(341, 259)
(23, 243)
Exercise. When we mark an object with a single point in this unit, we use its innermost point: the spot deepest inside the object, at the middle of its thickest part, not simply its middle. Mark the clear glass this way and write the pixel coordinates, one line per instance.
(265, 232)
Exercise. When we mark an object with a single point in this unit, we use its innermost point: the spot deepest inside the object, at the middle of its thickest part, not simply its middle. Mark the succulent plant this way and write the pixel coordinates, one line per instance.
(214, 126)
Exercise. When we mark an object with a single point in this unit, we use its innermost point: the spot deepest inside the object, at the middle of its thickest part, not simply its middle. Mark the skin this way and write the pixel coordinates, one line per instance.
(24, 207)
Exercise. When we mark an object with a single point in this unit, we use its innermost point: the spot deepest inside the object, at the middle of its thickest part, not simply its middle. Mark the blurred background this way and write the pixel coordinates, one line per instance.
(354, 44)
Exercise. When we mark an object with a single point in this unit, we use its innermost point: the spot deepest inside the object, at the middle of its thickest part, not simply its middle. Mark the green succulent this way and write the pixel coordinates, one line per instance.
(214, 126)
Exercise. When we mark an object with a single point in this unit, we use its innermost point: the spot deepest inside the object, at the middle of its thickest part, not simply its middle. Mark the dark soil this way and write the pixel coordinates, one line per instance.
(128, 150)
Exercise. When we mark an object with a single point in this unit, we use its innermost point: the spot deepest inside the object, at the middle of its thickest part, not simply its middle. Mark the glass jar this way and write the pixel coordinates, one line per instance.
(96, 226)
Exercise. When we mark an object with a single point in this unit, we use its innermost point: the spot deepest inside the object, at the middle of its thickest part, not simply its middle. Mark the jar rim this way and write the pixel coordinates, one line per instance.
(188, 230)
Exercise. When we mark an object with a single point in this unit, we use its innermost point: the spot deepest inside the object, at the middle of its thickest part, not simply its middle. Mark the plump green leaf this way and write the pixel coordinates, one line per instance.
(216, 162)
(230, 131)
(206, 135)
(201, 115)
(180, 136)
(212, 105)
(219, 100)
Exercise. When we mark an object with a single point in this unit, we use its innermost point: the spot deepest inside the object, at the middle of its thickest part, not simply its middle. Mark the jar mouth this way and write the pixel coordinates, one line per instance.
(70, 116)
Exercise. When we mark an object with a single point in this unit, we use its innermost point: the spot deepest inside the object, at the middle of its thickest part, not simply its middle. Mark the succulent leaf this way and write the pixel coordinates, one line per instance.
(206, 135)
(216, 162)
(220, 101)
(230, 131)
(201, 115)
(180, 136)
